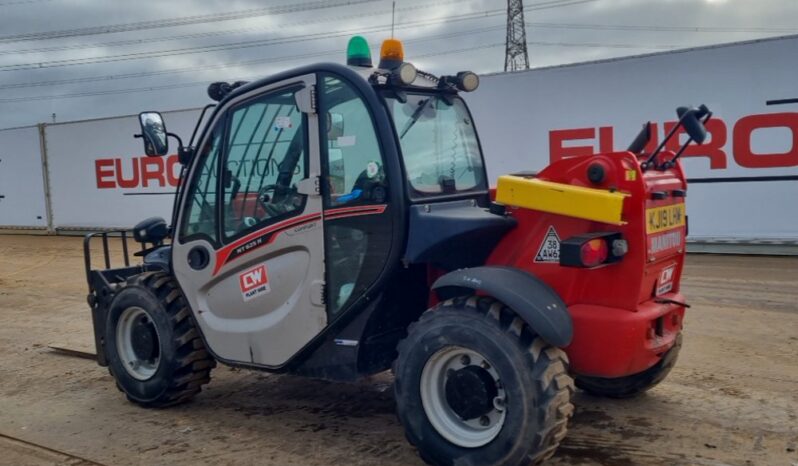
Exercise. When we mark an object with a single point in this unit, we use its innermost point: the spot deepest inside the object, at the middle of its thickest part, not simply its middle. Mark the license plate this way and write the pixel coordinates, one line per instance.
(664, 218)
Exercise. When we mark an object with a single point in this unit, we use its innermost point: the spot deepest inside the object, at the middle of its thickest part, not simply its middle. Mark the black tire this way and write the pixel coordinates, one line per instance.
(183, 366)
(533, 375)
(635, 384)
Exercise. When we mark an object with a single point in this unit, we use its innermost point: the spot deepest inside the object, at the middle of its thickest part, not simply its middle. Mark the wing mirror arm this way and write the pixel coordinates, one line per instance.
(184, 154)
(670, 163)
(693, 120)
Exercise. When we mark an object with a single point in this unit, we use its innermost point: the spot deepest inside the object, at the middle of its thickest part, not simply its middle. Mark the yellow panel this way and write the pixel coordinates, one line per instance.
(557, 198)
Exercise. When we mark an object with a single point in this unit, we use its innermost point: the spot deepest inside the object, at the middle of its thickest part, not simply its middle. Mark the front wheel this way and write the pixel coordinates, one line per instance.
(475, 386)
(635, 384)
(153, 349)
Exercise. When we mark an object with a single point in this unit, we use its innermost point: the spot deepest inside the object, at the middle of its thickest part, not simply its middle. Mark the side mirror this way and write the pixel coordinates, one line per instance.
(153, 131)
(641, 140)
(691, 121)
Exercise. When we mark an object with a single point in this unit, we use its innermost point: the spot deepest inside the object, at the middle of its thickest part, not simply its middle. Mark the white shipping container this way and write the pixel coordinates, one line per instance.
(22, 199)
(743, 182)
(100, 177)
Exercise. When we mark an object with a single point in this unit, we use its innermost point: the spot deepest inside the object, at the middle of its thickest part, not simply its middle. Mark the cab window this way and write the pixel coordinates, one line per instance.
(354, 159)
(199, 219)
(355, 246)
(266, 156)
(439, 144)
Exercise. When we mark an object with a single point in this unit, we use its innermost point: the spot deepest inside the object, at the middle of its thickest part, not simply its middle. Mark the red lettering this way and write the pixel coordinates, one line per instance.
(104, 176)
(120, 176)
(745, 126)
(712, 149)
(606, 140)
(558, 136)
(172, 170)
(152, 169)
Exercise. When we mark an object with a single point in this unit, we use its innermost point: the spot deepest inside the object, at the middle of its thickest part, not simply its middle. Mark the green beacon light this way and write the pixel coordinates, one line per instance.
(358, 52)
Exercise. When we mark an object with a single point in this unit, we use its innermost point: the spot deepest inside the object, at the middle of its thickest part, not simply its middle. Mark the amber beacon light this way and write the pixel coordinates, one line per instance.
(392, 54)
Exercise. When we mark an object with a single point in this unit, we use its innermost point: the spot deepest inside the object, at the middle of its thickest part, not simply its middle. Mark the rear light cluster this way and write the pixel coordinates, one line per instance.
(592, 249)
(593, 252)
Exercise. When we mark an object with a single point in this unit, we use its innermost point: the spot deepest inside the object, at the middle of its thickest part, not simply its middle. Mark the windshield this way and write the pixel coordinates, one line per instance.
(439, 145)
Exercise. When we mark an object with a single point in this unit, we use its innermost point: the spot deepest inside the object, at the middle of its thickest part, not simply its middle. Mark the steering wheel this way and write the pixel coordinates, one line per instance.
(276, 201)
(263, 194)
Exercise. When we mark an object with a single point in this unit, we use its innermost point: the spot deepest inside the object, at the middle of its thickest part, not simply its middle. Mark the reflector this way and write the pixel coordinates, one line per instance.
(593, 252)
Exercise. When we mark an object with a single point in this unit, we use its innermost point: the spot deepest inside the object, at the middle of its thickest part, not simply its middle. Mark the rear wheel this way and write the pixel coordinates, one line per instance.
(635, 384)
(153, 349)
(475, 386)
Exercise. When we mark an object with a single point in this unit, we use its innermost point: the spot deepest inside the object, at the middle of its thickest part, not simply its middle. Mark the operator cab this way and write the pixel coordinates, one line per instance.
(319, 192)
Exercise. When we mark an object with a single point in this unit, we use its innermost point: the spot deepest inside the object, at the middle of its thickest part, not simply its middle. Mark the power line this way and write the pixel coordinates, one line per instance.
(620, 27)
(231, 45)
(603, 45)
(222, 47)
(322, 54)
(201, 35)
(205, 83)
(555, 4)
(23, 2)
(534, 6)
(181, 21)
(143, 74)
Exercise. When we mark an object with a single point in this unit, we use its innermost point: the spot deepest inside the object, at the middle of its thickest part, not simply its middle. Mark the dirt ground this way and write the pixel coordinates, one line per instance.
(732, 398)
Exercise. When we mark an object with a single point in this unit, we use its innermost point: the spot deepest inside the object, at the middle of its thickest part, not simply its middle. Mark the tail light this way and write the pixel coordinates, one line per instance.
(592, 249)
(593, 252)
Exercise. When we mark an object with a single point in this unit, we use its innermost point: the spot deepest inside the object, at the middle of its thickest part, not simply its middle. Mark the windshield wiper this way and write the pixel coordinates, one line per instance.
(415, 116)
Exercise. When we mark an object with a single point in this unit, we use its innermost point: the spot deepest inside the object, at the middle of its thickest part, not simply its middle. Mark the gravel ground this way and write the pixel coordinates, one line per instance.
(732, 398)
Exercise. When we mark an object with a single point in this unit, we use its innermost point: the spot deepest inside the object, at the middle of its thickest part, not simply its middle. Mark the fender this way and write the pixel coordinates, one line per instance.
(532, 299)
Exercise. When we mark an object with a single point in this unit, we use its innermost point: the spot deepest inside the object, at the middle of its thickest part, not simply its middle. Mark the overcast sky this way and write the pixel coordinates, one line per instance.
(72, 57)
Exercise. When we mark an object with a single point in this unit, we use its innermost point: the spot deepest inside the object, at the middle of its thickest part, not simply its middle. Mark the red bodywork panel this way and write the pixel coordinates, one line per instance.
(618, 327)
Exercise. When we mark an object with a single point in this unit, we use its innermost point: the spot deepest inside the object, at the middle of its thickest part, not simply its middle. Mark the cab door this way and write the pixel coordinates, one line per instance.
(249, 250)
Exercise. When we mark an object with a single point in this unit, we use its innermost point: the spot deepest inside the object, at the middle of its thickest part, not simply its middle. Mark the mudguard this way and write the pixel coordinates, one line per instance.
(532, 299)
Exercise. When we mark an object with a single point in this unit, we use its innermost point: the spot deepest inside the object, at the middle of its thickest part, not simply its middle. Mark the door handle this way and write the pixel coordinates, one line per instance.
(198, 258)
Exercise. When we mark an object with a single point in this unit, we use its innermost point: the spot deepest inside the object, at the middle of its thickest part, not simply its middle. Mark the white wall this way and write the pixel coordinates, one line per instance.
(100, 177)
(21, 184)
(516, 114)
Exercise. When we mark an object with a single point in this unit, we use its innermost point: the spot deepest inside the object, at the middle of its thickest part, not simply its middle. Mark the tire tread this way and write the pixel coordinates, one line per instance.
(194, 361)
(553, 408)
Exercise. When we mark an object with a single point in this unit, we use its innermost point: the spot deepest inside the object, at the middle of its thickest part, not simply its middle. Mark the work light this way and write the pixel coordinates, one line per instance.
(405, 74)
(467, 81)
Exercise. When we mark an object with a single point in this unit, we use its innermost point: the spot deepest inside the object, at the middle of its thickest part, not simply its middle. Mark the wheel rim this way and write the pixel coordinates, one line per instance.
(463, 396)
(138, 343)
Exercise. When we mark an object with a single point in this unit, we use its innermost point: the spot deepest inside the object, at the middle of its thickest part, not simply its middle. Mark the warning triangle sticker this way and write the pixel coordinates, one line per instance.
(549, 251)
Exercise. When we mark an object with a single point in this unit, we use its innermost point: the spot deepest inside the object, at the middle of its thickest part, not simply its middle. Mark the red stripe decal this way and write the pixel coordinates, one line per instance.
(223, 254)
(256, 238)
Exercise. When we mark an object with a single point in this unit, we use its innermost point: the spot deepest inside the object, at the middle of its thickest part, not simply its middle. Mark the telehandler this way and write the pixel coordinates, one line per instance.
(337, 221)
